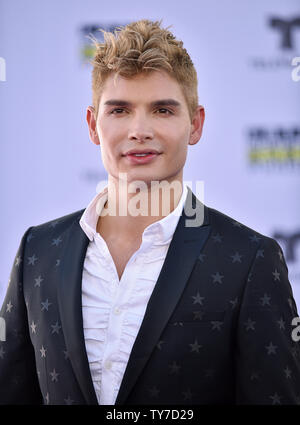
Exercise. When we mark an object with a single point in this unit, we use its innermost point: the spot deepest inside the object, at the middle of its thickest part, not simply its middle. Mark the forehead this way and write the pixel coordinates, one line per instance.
(142, 87)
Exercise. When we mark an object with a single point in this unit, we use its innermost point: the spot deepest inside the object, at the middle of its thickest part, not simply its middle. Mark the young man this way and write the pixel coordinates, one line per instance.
(116, 304)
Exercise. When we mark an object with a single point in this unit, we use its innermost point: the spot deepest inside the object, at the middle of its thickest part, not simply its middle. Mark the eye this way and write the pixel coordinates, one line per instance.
(117, 111)
(165, 111)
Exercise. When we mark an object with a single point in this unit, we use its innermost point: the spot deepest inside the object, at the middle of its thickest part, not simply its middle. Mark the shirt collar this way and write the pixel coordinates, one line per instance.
(164, 228)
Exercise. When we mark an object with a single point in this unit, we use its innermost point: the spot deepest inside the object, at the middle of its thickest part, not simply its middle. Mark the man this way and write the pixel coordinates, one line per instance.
(115, 304)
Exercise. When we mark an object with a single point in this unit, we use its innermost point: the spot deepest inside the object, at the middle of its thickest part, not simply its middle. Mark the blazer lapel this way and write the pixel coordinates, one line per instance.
(69, 300)
(184, 249)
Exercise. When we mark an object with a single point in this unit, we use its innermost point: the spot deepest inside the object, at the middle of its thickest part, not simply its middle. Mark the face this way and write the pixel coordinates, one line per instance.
(148, 113)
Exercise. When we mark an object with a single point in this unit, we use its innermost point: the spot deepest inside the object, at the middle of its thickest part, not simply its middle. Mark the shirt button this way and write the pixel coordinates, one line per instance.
(108, 364)
(117, 310)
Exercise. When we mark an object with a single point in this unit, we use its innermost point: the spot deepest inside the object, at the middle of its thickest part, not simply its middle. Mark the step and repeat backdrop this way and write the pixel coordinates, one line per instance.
(247, 55)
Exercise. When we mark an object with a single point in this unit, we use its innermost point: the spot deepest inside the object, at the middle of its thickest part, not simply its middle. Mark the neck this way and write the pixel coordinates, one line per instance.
(131, 207)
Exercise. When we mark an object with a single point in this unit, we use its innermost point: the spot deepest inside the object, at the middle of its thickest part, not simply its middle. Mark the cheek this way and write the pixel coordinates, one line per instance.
(177, 147)
(178, 141)
(177, 131)
(109, 141)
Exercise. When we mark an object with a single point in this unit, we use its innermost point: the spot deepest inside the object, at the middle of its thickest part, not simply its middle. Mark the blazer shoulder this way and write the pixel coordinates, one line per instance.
(59, 224)
(227, 226)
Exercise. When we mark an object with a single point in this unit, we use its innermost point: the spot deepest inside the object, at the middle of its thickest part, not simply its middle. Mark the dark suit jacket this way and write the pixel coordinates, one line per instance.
(217, 329)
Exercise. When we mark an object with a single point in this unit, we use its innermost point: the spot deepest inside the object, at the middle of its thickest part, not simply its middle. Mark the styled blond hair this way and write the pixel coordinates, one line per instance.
(143, 46)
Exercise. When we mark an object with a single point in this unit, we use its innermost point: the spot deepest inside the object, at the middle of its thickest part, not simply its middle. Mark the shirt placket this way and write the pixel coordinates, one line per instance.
(121, 295)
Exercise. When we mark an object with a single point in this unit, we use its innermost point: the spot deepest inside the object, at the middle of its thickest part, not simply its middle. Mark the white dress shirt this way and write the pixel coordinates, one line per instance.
(113, 309)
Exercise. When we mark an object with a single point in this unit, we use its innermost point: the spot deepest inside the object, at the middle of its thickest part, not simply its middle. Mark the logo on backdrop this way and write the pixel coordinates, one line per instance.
(286, 43)
(286, 29)
(87, 49)
(290, 242)
(274, 148)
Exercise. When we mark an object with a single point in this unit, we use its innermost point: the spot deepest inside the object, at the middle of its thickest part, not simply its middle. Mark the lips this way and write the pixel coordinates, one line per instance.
(141, 152)
(140, 157)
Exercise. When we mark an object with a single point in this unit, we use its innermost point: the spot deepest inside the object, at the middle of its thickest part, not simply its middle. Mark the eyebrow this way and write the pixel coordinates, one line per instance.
(161, 102)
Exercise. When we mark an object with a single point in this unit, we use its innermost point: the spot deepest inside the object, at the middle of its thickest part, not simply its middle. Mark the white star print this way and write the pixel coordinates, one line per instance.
(249, 324)
(45, 305)
(287, 372)
(9, 306)
(281, 323)
(47, 398)
(68, 400)
(2, 352)
(217, 277)
(43, 351)
(217, 238)
(187, 394)
(198, 299)
(234, 303)
(216, 325)
(54, 223)
(174, 367)
(29, 237)
(271, 348)
(159, 344)
(55, 328)
(57, 241)
(265, 299)
(276, 275)
(236, 257)
(18, 261)
(33, 326)
(177, 323)
(201, 257)
(254, 238)
(260, 253)
(54, 375)
(38, 281)
(32, 260)
(290, 302)
(276, 398)
(198, 314)
(195, 346)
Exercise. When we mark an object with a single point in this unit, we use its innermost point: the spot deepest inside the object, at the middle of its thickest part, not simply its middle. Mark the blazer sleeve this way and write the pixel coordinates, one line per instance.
(267, 357)
(18, 376)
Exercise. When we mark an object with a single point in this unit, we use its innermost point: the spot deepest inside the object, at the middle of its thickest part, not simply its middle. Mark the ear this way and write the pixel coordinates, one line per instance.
(197, 125)
(91, 120)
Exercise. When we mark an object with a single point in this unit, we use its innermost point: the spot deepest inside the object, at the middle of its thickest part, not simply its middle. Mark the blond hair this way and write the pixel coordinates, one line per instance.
(143, 46)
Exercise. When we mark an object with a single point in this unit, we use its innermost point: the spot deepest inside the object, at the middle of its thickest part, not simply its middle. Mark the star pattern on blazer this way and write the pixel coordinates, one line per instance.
(217, 328)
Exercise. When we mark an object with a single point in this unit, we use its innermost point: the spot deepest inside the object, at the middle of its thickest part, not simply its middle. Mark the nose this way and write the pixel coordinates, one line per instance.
(140, 128)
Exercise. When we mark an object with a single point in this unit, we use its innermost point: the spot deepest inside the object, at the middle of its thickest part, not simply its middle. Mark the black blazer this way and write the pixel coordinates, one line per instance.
(217, 328)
